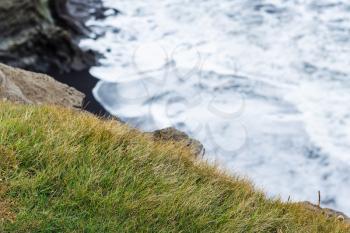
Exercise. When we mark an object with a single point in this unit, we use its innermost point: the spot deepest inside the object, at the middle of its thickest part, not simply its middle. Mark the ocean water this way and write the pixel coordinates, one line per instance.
(263, 84)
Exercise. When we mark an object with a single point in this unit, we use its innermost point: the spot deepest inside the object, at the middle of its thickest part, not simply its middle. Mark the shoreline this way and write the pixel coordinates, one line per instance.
(84, 82)
(51, 45)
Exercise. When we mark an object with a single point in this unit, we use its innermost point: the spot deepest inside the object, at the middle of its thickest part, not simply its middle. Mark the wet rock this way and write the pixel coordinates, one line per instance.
(32, 88)
(83, 10)
(172, 134)
(40, 35)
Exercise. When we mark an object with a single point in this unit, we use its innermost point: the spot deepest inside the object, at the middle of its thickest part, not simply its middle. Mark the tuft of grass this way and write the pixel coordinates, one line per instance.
(68, 171)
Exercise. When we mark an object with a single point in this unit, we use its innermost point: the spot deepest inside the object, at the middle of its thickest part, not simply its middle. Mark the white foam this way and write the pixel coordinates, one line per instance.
(265, 85)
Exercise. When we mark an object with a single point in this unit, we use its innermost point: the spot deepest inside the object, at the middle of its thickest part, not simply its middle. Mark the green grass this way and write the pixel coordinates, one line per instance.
(67, 171)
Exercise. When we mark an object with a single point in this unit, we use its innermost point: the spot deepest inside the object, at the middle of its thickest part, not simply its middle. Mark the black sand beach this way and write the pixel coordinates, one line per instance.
(84, 82)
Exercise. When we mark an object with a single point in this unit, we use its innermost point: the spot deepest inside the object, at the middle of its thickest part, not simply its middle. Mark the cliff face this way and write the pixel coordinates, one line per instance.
(41, 34)
(25, 87)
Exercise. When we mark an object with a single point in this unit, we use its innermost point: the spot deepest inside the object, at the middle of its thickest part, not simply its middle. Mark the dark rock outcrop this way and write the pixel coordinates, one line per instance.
(26, 87)
(172, 134)
(40, 35)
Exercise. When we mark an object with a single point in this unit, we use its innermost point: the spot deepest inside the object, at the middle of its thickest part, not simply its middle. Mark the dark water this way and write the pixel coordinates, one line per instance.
(84, 82)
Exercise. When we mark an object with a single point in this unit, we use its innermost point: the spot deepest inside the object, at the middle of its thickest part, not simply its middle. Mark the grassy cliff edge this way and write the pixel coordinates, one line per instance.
(63, 170)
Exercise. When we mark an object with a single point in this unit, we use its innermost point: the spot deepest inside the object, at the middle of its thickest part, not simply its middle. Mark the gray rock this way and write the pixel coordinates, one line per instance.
(172, 134)
(329, 213)
(32, 88)
(41, 35)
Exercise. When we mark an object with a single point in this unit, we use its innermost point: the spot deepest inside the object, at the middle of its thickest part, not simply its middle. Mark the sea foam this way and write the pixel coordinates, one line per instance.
(265, 85)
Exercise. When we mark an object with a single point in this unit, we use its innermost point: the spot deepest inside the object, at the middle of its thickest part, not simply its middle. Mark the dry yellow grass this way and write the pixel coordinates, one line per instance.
(67, 171)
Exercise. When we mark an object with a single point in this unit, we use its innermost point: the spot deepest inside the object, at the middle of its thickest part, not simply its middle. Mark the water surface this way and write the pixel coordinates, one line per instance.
(265, 85)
